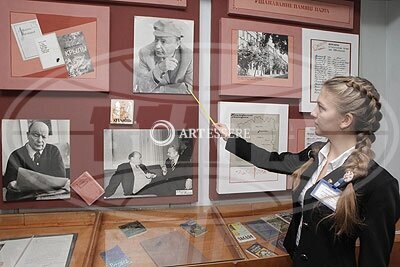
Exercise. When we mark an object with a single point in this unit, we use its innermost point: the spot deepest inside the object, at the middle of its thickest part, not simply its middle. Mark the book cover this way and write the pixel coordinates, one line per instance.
(277, 223)
(115, 257)
(193, 228)
(25, 33)
(278, 242)
(286, 216)
(76, 54)
(260, 251)
(50, 54)
(263, 229)
(132, 228)
(240, 232)
(87, 188)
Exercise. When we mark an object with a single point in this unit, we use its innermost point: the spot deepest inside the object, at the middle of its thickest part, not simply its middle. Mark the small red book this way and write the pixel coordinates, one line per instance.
(87, 188)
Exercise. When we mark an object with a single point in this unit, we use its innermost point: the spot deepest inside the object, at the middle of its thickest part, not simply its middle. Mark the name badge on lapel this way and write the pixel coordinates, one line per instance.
(327, 193)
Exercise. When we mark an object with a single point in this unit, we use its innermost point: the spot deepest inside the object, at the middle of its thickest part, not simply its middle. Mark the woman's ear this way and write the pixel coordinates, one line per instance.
(346, 121)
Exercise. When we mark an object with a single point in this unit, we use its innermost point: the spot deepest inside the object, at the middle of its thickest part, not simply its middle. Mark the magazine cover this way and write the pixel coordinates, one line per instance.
(240, 232)
(260, 251)
(115, 257)
(76, 54)
(276, 222)
(132, 228)
(193, 228)
(278, 242)
(263, 229)
(286, 216)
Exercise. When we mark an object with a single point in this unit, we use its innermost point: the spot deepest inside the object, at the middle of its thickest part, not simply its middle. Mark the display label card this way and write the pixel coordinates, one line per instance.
(49, 51)
(25, 34)
(325, 193)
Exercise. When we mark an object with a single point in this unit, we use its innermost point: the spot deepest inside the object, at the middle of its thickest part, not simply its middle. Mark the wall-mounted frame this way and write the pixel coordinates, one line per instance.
(338, 14)
(325, 55)
(81, 34)
(153, 151)
(45, 179)
(146, 57)
(169, 3)
(301, 135)
(251, 119)
(259, 59)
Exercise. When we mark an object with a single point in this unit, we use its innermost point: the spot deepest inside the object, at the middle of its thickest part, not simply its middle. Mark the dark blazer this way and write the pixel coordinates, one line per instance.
(50, 163)
(186, 154)
(378, 204)
(123, 174)
(175, 179)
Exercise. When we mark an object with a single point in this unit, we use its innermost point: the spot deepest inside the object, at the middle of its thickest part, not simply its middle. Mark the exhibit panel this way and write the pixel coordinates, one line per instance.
(55, 46)
(268, 56)
(78, 148)
(100, 110)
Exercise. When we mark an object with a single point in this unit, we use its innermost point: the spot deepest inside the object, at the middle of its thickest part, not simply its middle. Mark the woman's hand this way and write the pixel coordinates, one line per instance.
(222, 129)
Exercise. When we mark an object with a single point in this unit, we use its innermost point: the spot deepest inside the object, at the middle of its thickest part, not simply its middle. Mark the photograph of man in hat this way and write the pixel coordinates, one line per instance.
(166, 64)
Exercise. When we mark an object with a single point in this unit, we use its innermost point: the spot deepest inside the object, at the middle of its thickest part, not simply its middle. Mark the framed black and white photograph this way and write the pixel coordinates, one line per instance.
(147, 163)
(262, 54)
(259, 59)
(35, 159)
(163, 55)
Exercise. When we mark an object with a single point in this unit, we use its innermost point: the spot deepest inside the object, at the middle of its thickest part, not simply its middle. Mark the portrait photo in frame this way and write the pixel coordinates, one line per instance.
(265, 125)
(259, 59)
(162, 40)
(54, 46)
(325, 55)
(35, 167)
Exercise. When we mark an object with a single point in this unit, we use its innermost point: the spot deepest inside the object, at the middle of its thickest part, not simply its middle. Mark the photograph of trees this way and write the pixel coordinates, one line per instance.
(262, 54)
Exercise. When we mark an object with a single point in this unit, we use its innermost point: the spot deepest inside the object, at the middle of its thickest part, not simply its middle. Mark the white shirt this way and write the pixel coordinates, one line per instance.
(140, 179)
(333, 165)
(32, 152)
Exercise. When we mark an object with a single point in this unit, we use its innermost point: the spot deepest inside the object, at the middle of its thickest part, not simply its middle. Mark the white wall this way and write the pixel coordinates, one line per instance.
(379, 57)
(392, 90)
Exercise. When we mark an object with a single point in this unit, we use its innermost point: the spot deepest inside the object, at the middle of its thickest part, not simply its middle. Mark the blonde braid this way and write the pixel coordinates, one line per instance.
(367, 117)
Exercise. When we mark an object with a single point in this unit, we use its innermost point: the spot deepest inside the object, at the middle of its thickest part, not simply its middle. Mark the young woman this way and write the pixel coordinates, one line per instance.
(368, 204)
